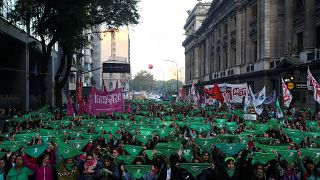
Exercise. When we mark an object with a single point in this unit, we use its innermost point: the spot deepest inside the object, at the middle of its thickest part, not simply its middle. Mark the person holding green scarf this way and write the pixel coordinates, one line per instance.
(19, 171)
(230, 169)
(68, 170)
(309, 171)
(108, 167)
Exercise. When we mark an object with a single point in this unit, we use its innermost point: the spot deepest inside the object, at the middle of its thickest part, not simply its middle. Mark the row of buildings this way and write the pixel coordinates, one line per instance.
(256, 42)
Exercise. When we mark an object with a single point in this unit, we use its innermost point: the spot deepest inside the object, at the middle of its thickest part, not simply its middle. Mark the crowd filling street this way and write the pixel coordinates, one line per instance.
(160, 140)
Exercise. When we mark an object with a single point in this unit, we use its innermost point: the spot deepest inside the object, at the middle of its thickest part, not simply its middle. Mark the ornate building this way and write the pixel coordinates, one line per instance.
(255, 41)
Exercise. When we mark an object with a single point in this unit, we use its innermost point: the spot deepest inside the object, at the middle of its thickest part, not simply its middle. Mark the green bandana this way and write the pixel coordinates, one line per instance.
(127, 159)
(89, 136)
(195, 168)
(206, 142)
(230, 172)
(68, 151)
(69, 166)
(36, 150)
(133, 150)
(231, 149)
(137, 171)
(289, 155)
(262, 127)
(312, 153)
(146, 132)
(143, 139)
(222, 121)
(269, 148)
(187, 154)
(264, 158)
(200, 127)
(79, 144)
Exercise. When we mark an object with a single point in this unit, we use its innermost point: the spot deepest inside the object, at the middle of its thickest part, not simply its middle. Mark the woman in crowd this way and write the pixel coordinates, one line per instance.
(107, 169)
(3, 169)
(230, 169)
(309, 171)
(68, 169)
(43, 168)
(19, 171)
(89, 169)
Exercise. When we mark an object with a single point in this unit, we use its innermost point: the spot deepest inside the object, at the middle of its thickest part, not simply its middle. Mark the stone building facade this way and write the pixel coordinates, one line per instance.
(255, 41)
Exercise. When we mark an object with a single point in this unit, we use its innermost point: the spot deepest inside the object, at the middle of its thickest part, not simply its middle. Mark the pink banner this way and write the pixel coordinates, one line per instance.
(105, 102)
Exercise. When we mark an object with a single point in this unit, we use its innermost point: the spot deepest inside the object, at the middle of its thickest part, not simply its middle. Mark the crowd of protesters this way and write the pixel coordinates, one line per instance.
(100, 158)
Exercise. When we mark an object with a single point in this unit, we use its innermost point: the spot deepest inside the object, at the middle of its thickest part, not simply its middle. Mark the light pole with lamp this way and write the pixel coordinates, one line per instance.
(177, 73)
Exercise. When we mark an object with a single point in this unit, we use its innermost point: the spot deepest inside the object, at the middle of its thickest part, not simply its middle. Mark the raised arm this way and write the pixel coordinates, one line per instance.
(28, 163)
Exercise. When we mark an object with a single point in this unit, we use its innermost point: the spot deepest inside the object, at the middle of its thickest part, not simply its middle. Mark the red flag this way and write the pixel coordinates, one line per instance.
(129, 108)
(216, 93)
(181, 94)
(79, 98)
(70, 109)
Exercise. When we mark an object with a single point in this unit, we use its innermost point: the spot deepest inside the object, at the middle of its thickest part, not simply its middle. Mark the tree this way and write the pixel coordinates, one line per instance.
(143, 81)
(65, 22)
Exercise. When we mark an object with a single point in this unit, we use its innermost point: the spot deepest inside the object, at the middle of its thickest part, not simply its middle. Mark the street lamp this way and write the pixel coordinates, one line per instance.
(177, 73)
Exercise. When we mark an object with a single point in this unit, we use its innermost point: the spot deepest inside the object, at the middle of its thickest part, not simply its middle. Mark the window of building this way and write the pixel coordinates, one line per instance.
(219, 32)
(300, 42)
(254, 11)
(110, 85)
(318, 37)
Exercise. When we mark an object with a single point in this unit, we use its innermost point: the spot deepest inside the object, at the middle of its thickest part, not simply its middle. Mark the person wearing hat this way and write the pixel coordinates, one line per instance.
(230, 169)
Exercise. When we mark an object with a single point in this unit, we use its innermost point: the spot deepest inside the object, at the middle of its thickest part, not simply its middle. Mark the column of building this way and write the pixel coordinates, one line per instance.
(238, 36)
(272, 9)
(248, 43)
(202, 59)
(288, 27)
(230, 55)
(224, 49)
(281, 21)
(309, 26)
(216, 56)
(207, 55)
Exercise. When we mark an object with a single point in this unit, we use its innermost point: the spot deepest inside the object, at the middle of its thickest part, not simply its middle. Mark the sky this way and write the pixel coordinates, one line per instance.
(159, 36)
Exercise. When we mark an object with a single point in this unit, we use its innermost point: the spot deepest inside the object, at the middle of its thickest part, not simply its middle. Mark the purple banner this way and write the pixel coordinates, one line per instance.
(105, 102)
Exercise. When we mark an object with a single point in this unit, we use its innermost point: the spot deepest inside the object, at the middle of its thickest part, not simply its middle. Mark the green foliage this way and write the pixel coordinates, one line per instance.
(143, 81)
(69, 22)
